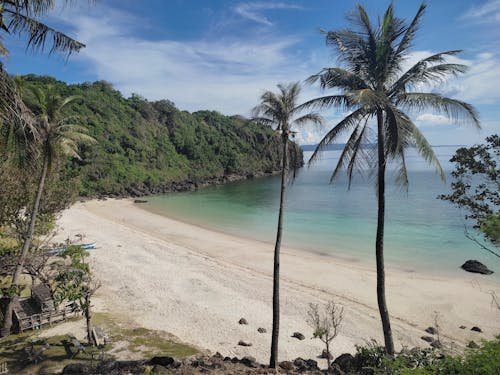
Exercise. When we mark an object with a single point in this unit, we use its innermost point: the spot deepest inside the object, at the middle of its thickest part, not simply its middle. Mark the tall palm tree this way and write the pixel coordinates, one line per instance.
(57, 137)
(279, 110)
(372, 86)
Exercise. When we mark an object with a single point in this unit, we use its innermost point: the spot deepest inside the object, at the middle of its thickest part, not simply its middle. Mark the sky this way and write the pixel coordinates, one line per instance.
(222, 55)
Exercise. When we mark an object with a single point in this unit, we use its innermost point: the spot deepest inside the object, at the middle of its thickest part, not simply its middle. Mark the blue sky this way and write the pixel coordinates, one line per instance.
(221, 55)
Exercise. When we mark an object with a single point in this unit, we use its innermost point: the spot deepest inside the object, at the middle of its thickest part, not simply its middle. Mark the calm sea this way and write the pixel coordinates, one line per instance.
(423, 233)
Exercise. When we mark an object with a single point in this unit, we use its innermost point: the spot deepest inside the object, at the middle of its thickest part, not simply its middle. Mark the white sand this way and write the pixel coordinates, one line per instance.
(196, 284)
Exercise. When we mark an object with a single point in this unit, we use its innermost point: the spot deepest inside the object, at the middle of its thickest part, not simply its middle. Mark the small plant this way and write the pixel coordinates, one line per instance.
(326, 324)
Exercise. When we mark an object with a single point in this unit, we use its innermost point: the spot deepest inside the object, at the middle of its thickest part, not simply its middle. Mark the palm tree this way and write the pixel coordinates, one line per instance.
(57, 137)
(372, 86)
(278, 110)
(20, 17)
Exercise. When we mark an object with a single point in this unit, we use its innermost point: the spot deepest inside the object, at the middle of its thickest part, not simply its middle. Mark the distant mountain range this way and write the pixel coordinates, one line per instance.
(340, 146)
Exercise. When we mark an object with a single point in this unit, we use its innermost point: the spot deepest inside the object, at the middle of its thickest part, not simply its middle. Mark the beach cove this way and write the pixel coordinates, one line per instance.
(196, 283)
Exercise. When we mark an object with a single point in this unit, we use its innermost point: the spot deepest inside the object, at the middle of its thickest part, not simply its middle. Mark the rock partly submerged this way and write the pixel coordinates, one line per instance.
(476, 266)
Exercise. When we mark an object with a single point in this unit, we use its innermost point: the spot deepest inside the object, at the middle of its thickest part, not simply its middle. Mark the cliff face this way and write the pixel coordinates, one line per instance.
(148, 147)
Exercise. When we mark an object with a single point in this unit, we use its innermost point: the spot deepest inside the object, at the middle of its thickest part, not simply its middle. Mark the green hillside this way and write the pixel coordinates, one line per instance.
(148, 147)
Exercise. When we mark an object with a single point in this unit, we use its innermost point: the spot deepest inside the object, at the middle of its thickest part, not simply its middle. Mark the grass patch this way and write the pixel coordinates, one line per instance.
(142, 341)
(139, 341)
(54, 358)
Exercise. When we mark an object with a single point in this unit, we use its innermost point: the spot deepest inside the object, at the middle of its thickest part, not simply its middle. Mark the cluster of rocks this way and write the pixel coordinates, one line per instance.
(243, 321)
(216, 364)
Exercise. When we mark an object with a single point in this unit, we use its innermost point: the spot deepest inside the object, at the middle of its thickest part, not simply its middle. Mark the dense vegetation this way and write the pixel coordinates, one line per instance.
(147, 147)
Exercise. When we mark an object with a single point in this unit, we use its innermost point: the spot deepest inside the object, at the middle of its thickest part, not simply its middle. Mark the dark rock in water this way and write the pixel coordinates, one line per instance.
(287, 365)
(472, 345)
(298, 335)
(244, 343)
(427, 338)
(242, 321)
(436, 344)
(345, 362)
(476, 329)
(431, 330)
(249, 361)
(140, 201)
(476, 267)
(462, 327)
(162, 361)
(261, 330)
(325, 355)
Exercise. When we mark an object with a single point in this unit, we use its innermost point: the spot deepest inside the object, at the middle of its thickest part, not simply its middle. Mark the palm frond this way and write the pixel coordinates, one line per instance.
(454, 109)
(347, 123)
(313, 118)
(337, 77)
(411, 30)
(339, 101)
(420, 72)
(38, 33)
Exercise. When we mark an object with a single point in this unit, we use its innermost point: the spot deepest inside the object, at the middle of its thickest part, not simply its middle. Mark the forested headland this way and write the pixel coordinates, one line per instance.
(147, 147)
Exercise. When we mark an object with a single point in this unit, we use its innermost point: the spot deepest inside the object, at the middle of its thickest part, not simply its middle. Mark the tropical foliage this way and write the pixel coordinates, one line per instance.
(373, 88)
(150, 147)
(476, 187)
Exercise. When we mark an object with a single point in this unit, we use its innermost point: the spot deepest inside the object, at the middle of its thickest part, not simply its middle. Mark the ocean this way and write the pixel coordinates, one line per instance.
(423, 233)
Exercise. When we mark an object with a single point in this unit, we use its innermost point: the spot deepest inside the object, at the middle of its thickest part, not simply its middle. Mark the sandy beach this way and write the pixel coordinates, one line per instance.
(196, 284)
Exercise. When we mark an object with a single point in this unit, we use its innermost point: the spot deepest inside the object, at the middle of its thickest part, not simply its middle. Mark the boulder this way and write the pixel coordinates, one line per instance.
(249, 361)
(431, 330)
(335, 369)
(77, 369)
(261, 330)
(162, 361)
(476, 329)
(305, 365)
(436, 344)
(287, 366)
(242, 321)
(472, 345)
(476, 267)
(140, 201)
(244, 343)
(462, 327)
(345, 362)
(427, 338)
(298, 335)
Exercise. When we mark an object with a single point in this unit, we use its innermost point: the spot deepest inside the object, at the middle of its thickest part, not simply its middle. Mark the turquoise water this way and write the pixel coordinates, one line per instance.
(422, 232)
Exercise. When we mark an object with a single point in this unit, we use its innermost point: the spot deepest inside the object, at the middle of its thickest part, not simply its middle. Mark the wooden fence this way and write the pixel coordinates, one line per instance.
(36, 321)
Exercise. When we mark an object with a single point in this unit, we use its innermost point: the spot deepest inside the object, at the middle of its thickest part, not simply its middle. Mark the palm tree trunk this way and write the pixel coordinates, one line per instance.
(7, 321)
(273, 361)
(88, 318)
(379, 244)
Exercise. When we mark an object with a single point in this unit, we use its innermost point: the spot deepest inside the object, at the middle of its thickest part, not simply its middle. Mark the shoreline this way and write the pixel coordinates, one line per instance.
(197, 283)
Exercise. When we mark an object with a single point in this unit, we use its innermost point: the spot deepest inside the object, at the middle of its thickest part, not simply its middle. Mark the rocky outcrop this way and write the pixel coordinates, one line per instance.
(476, 267)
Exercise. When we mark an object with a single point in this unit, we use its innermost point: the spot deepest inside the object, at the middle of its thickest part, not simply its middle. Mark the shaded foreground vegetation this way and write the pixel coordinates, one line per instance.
(151, 147)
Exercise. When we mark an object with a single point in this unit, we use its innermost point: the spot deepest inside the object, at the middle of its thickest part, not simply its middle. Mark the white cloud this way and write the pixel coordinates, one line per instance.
(223, 74)
(487, 12)
(430, 119)
(252, 11)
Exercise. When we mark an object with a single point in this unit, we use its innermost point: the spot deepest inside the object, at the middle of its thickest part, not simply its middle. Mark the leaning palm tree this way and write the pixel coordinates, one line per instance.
(279, 110)
(372, 86)
(57, 137)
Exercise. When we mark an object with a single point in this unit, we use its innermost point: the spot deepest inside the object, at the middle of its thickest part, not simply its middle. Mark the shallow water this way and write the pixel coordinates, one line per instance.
(422, 232)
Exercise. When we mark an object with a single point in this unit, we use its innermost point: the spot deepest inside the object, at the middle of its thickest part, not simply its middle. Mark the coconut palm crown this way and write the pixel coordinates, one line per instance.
(373, 88)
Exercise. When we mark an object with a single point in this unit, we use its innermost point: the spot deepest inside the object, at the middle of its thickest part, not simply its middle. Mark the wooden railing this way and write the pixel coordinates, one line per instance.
(36, 321)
